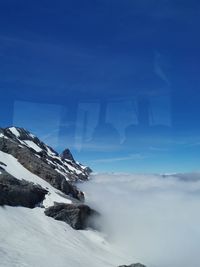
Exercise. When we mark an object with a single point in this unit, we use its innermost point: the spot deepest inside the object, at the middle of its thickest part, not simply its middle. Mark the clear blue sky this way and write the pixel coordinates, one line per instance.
(116, 81)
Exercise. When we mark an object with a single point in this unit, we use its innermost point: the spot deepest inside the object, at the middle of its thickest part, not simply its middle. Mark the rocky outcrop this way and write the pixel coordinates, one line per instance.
(35, 165)
(63, 164)
(78, 217)
(60, 171)
(67, 155)
(14, 192)
(133, 265)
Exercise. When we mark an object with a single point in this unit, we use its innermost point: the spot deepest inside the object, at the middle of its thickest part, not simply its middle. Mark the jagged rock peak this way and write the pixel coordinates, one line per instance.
(66, 154)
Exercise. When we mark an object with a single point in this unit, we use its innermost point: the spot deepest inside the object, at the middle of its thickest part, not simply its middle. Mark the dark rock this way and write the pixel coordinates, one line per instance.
(78, 217)
(14, 192)
(133, 265)
(3, 164)
(66, 154)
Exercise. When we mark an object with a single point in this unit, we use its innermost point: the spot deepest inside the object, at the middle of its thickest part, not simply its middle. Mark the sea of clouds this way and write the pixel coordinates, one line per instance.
(152, 219)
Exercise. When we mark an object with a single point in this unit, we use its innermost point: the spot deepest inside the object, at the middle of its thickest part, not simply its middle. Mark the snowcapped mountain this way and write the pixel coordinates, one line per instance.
(23, 157)
(41, 208)
(33, 175)
(61, 171)
(64, 164)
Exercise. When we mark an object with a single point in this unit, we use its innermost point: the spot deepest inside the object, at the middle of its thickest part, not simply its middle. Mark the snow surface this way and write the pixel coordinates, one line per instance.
(28, 238)
(14, 131)
(32, 145)
(3, 136)
(71, 168)
(50, 153)
(32, 135)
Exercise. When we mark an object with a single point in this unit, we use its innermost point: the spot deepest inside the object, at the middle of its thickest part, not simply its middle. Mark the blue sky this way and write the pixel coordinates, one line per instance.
(115, 81)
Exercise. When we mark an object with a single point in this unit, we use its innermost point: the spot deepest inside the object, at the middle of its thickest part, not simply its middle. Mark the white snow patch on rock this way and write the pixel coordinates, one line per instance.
(33, 145)
(14, 131)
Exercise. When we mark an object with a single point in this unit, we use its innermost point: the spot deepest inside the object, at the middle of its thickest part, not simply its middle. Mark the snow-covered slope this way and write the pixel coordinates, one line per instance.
(13, 167)
(64, 164)
(60, 171)
(28, 238)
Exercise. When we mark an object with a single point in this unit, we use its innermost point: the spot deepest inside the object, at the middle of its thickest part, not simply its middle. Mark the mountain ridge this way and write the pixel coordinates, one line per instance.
(63, 163)
(38, 181)
(43, 161)
(32, 174)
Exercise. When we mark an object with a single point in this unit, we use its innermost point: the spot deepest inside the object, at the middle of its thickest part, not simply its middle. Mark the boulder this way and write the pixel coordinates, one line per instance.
(77, 216)
(14, 192)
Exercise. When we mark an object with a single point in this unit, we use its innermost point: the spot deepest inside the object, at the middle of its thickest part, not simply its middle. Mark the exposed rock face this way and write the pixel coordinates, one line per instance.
(64, 164)
(66, 154)
(133, 265)
(59, 171)
(14, 192)
(43, 161)
(35, 165)
(78, 217)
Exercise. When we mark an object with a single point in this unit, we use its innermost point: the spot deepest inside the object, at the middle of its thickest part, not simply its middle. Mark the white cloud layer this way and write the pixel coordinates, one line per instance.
(154, 219)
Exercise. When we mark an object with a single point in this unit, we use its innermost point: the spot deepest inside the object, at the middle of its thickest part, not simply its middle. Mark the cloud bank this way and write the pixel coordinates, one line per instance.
(153, 219)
